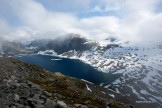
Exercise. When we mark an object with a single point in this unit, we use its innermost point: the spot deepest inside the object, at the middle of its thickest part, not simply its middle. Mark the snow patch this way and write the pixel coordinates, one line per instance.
(112, 95)
(88, 89)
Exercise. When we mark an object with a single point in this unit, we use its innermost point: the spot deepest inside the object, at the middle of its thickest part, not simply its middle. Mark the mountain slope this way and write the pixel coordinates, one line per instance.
(29, 86)
(141, 69)
(60, 45)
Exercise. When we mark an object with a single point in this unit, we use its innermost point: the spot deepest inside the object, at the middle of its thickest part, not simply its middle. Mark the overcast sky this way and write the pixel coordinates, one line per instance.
(134, 20)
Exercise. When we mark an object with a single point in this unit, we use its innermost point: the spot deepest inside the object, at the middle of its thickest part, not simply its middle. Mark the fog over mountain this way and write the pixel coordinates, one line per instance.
(133, 20)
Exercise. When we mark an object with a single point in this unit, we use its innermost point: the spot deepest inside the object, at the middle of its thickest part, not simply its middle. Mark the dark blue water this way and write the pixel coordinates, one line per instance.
(71, 67)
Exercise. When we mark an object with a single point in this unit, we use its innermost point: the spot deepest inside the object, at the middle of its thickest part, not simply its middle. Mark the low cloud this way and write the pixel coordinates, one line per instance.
(138, 20)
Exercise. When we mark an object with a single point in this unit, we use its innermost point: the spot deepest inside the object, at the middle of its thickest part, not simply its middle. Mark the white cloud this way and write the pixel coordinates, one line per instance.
(9, 33)
(139, 21)
(151, 28)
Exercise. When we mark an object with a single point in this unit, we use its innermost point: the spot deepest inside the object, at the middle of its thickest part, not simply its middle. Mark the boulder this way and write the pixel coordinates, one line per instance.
(50, 104)
(61, 104)
(47, 94)
(16, 97)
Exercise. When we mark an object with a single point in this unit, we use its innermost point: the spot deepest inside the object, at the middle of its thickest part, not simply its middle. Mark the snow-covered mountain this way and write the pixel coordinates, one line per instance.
(8, 48)
(140, 65)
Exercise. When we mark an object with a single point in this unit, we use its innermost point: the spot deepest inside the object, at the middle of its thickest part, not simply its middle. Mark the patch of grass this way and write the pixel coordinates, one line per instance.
(67, 87)
(116, 105)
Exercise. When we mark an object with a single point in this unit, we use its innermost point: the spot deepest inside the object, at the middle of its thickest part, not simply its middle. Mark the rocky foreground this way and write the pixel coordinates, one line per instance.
(28, 86)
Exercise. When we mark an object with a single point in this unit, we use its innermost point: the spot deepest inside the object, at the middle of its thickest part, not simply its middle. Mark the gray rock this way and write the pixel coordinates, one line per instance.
(50, 104)
(29, 83)
(43, 97)
(13, 77)
(16, 97)
(36, 99)
(17, 84)
(87, 102)
(33, 92)
(24, 85)
(29, 99)
(58, 96)
(36, 86)
(83, 106)
(36, 96)
(18, 105)
(13, 107)
(40, 101)
(80, 106)
(47, 94)
(77, 105)
(62, 104)
(22, 101)
(24, 93)
(39, 106)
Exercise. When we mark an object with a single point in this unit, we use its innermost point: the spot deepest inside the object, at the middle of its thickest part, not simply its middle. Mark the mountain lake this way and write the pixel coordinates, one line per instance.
(70, 67)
